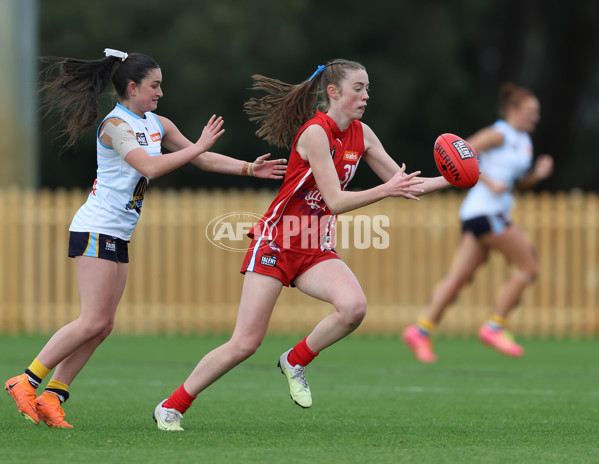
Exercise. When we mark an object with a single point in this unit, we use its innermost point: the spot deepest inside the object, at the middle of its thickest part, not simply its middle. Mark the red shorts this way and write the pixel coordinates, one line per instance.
(272, 260)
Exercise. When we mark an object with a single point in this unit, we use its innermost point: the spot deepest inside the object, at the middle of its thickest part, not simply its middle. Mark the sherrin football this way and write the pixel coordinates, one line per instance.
(456, 160)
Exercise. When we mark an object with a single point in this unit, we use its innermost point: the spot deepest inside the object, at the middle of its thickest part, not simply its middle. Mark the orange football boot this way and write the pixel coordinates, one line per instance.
(50, 411)
(24, 395)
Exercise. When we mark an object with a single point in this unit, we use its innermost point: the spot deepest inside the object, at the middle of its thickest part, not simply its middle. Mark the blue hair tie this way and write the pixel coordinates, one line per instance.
(318, 71)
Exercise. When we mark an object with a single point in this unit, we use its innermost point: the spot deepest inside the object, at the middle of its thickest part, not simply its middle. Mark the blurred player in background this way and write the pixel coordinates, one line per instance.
(293, 243)
(129, 153)
(506, 161)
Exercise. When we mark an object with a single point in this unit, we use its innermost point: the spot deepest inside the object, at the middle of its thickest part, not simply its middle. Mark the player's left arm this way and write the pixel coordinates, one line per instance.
(385, 167)
(174, 140)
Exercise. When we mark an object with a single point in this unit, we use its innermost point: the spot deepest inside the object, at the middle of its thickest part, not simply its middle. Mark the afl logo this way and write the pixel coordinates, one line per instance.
(229, 231)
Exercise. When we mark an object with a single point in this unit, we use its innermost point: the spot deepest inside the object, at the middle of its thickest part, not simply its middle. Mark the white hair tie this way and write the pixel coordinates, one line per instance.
(116, 53)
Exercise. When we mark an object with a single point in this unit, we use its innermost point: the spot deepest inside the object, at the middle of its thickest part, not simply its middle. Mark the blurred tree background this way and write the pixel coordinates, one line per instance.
(434, 67)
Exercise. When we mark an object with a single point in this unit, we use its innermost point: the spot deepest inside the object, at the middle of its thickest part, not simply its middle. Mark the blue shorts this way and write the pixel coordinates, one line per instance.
(481, 225)
(98, 246)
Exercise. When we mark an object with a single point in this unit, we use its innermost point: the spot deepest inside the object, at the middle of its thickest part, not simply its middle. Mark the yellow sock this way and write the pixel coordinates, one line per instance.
(59, 389)
(426, 324)
(497, 319)
(55, 384)
(38, 369)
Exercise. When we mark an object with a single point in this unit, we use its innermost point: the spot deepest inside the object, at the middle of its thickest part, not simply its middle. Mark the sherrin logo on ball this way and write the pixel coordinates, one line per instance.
(456, 160)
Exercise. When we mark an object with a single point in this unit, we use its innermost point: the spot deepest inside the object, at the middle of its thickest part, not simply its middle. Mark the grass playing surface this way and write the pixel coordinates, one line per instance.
(373, 403)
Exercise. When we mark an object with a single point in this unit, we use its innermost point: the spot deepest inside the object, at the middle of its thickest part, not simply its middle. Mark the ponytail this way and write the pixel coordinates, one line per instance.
(282, 112)
(286, 108)
(75, 91)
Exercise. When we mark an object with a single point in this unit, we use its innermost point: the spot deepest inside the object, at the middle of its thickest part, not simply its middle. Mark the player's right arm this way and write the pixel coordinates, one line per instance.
(485, 139)
(313, 146)
(385, 167)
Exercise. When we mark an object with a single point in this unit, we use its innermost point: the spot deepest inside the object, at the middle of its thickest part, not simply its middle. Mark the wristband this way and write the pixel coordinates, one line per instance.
(247, 169)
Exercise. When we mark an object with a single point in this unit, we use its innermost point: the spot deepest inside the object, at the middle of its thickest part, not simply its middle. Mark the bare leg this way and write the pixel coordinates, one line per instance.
(100, 285)
(332, 281)
(68, 369)
(471, 253)
(515, 246)
(258, 297)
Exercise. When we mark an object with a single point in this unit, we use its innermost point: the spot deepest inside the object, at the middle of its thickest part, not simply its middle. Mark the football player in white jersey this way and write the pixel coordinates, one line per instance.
(506, 161)
(129, 152)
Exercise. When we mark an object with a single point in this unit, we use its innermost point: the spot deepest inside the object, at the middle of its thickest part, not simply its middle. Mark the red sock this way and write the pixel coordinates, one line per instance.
(179, 400)
(301, 354)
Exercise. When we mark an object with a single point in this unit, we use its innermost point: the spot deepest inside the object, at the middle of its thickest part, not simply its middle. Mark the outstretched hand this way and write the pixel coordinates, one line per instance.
(211, 132)
(404, 185)
(543, 167)
(269, 169)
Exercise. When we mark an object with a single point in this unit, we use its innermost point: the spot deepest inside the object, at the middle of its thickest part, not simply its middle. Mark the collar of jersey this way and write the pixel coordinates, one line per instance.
(127, 110)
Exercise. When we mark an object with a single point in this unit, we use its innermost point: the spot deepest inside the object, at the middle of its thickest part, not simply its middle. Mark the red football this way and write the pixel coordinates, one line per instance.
(456, 160)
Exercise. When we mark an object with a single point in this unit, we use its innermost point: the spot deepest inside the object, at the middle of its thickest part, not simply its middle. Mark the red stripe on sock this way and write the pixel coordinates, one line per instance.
(301, 354)
(179, 400)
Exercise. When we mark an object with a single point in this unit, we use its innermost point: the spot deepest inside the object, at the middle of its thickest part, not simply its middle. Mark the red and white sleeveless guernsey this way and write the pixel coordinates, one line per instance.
(298, 219)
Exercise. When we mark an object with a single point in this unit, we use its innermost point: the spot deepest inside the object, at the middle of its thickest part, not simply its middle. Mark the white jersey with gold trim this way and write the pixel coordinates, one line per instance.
(114, 204)
(506, 163)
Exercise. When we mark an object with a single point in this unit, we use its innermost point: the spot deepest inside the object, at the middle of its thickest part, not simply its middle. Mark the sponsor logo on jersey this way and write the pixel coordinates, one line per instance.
(138, 196)
(350, 156)
(268, 260)
(141, 138)
(156, 137)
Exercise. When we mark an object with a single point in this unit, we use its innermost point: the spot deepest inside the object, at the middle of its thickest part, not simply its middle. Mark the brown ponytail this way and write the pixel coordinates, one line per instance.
(282, 112)
(74, 92)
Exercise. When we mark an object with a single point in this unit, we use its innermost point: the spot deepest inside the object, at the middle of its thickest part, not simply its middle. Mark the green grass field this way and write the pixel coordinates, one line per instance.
(373, 403)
